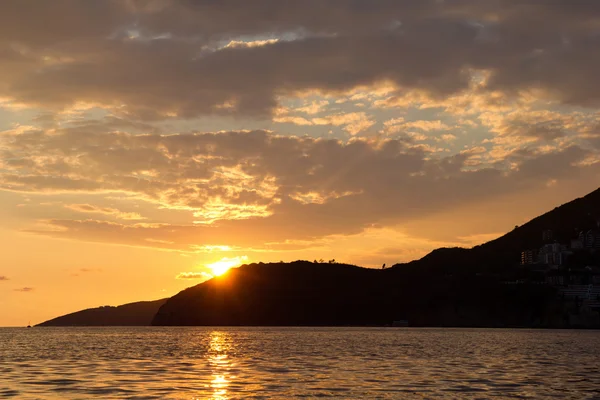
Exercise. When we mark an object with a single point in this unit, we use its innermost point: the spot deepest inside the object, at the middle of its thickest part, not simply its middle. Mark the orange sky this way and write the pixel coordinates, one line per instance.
(142, 141)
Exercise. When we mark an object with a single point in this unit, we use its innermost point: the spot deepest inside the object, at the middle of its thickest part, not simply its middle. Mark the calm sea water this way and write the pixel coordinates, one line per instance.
(350, 363)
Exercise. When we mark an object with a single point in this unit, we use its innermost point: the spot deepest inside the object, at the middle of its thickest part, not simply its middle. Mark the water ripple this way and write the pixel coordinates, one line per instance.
(233, 363)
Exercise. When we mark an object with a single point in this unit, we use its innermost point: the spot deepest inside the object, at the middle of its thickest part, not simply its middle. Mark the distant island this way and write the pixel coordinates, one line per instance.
(132, 314)
(543, 274)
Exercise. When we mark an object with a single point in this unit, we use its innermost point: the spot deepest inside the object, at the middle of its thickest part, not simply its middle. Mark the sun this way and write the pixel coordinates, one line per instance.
(220, 267)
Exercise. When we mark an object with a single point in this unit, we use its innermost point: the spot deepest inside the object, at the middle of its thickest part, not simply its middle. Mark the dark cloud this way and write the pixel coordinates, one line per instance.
(595, 141)
(33, 23)
(235, 17)
(3, 278)
(172, 68)
(25, 289)
(238, 17)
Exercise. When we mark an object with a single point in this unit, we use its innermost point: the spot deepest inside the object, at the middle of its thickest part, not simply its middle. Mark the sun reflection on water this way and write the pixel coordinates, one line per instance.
(220, 345)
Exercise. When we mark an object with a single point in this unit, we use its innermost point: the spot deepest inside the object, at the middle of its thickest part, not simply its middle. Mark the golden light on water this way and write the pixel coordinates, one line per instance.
(219, 385)
(220, 365)
(225, 264)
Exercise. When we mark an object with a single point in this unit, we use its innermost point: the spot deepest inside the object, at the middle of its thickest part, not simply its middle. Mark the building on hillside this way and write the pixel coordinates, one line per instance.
(553, 254)
(529, 257)
(547, 235)
(590, 239)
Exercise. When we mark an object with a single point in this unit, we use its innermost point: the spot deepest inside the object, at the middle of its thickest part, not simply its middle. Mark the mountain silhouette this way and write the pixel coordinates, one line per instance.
(303, 293)
(447, 287)
(132, 314)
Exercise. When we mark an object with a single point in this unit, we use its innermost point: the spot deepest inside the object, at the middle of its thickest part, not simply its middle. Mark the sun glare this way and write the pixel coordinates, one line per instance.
(220, 267)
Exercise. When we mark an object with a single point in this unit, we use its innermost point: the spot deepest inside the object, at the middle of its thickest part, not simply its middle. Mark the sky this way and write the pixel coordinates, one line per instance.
(143, 141)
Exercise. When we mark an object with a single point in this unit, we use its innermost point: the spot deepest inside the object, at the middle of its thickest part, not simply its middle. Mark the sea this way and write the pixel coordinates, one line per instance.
(288, 363)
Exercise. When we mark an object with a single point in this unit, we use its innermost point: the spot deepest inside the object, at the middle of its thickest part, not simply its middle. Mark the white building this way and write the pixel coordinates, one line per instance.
(553, 254)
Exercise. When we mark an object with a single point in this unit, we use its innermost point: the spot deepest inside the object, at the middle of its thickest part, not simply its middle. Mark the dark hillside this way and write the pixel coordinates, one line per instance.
(314, 294)
(132, 314)
(565, 221)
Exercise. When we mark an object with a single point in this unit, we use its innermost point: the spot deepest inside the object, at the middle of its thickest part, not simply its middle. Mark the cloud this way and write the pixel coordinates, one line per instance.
(254, 43)
(314, 107)
(3, 278)
(161, 59)
(25, 289)
(448, 137)
(353, 122)
(539, 124)
(465, 73)
(259, 188)
(426, 126)
(206, 170)
(194, 275)
(88, 208)
(401, 126)
(292, 120)
(523, 130)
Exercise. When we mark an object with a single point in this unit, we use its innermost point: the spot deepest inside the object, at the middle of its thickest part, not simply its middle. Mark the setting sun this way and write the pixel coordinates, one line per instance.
(220, 267)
